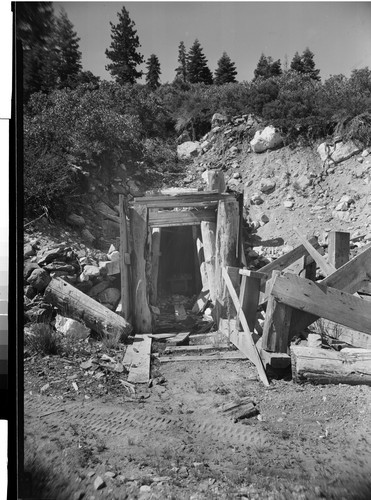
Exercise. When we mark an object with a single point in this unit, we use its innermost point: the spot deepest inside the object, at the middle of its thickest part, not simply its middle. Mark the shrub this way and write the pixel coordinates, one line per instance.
(42, 339)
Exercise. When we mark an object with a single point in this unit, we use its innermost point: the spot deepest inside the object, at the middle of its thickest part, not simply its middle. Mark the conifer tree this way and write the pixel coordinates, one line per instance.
(305, 64)
(198, 71)
(153, 72)
(267, 68)
(181, 70)
(65, 63)
(226, 70)
(124, 50)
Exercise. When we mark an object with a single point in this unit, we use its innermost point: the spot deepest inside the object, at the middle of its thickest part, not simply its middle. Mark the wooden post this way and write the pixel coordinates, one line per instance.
(79, 306)
(208, 233)
(249, 295)
(338, 248)
(124, 267)
(200, 265)
(226, 242)
(142, 318)
(156, 242)
(277, 322)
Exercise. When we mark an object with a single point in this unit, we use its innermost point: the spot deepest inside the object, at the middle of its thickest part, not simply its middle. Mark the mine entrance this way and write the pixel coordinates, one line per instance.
(179, 272)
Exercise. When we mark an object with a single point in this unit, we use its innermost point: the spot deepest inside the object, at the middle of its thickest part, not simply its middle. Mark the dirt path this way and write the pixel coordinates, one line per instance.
(173, 441)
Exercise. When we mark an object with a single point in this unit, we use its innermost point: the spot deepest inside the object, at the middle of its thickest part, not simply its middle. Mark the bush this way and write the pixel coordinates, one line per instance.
(42, 339)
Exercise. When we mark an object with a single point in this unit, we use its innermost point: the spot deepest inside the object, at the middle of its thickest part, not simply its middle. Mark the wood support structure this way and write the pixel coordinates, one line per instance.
(326, 268)
(75, 304)
(124, 267)
(249, 295)
(155, 255)
(142, 319)
(200, 264)
(338, 248)
(208, 234)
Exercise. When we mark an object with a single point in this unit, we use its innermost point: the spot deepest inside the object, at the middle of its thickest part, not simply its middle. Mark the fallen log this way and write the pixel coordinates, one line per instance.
(76, 305)
(324, 366)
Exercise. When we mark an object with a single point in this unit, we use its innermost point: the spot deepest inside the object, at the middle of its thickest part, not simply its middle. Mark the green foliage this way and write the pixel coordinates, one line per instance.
(42, 339)
(153, 72)
(181, 70)
(267, 68)
(226, 70)
(124, 50)
(305, 64)
(197, 69)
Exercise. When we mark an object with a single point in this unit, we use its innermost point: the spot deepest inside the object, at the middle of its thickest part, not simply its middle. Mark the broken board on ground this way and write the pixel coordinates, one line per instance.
(180, 338)
(137, 359)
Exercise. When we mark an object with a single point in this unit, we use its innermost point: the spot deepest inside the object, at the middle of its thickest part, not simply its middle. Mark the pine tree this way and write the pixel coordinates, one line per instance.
(34, 22)
(153, 72)
(124, 50)
(305, 64)
(198, 71)
(267, 68)
(226, 70)
(309, 65)
(65, 54)
(181, 70)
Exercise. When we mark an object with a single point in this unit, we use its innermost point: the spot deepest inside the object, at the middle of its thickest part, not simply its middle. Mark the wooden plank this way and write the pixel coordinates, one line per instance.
(161, 336)
(326, 302)
(124, 269)
(137, 359)
(201, 199)
(338, 248)
(218, 356)
(277, 323)
(208, 233)
(179, 338)
(142, 318)
(112, 267)
(201, 281)
(349, 366)
(344, 334)
(196, 347)
(174, 191)
(201, 301)
(326, 268)
(289, 258)
(348, 278)
(253, 274)
(169, 218)
(243, 340)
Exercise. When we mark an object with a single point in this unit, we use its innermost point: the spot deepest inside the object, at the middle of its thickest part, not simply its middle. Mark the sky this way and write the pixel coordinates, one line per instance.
(338, 33)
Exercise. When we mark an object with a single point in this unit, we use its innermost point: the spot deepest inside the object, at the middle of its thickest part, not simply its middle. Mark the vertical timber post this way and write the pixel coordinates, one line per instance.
(155, 255)
(124, 265)
(199, 260)
(208, 233)
(141, 312)
(338, 248)
(277, 322)
(227, 229)
(249, 296)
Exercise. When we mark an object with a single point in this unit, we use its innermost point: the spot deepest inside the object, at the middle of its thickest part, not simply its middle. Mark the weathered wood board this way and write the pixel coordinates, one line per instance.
(179, 338)
(137, 359)
(218, 356)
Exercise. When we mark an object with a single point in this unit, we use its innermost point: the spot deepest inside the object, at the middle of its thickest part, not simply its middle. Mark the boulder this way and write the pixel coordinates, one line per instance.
(188, 149)
(288, 203)
(71, 327)
(266, 185)
(268, 138)
(303, 182)
(86, 234)
(89, 273)
(338, 152)
(184, 137)
(28, 268)
(56, 253)
(256, 199)
(113, 256)
(100, 287)
(218, 119)
(134, 188)
(39, 279)
(76, 220)
(109, 297)
(28, 251)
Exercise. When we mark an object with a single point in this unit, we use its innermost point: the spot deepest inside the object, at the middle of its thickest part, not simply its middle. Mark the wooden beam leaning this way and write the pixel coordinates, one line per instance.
(326, 268)
(142, 318)
(326, 302)
(200, 199)
(124, 268)
(348, 278)
(243, 340)
(168, 218)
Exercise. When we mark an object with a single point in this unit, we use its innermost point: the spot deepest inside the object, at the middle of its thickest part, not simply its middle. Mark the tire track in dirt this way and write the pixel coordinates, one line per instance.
(119, 422)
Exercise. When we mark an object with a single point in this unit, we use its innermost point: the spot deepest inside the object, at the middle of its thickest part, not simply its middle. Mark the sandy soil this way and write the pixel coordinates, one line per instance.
(172, 440)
